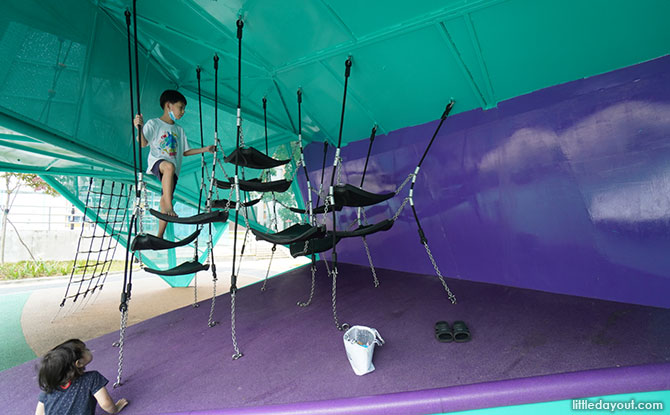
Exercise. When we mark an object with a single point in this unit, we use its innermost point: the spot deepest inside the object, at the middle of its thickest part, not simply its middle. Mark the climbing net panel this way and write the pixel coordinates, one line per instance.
(105, 212)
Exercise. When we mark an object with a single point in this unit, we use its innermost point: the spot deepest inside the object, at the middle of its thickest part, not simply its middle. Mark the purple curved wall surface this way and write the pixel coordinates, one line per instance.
(565, 190)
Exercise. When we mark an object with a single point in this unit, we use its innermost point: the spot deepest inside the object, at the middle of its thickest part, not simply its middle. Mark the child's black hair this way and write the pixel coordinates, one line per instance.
(59, 365)
(171, 96)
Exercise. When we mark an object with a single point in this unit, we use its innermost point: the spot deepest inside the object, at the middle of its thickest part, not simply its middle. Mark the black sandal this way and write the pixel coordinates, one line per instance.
(461, 332)
(443, 332)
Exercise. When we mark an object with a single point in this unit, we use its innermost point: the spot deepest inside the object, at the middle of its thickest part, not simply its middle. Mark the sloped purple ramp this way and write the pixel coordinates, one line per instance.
(547, 388)
(294, 357)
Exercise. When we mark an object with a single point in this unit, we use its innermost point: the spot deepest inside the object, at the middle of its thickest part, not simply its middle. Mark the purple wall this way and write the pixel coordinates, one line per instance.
(565, 190)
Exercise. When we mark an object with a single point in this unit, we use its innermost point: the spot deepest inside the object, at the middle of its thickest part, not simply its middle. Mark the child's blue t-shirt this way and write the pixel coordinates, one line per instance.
(77, 399)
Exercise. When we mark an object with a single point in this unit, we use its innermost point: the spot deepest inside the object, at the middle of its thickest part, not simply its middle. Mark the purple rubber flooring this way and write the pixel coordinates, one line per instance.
(293, 355)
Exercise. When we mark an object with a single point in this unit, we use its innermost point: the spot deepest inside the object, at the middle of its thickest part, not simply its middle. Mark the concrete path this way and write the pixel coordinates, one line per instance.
(33, 321)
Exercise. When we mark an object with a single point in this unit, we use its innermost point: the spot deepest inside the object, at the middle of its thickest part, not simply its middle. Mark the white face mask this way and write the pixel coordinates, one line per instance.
(172, 117)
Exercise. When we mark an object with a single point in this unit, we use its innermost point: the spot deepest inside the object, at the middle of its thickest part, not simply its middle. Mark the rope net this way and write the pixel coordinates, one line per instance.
(105, 213)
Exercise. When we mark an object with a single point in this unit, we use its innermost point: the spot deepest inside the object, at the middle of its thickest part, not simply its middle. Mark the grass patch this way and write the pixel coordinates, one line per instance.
(31, 269)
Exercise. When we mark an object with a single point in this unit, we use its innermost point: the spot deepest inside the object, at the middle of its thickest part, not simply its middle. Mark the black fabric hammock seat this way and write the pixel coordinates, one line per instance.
(222, 203)
(199, 219)
(318, 209)
(189, 267)
(294, 234)
(313, 246)
(146, 241)
(366, 230)
(255, 185)
(325, 243)
(349, 195)
(252, 158)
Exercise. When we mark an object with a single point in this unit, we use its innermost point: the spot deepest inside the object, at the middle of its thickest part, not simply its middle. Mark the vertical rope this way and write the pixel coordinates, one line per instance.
(211, 322)
(331, 195)
(128, 270)
(233, 277)
(422, 235)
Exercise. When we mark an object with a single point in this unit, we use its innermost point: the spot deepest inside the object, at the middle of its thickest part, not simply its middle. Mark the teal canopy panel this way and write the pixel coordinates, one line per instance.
(65, 87)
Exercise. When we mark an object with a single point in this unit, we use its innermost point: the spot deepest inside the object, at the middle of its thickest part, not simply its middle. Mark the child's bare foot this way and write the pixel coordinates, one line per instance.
(171, 213)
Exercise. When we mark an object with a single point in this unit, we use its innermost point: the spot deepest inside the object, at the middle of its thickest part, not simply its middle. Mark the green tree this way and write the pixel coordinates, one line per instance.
(13, 183)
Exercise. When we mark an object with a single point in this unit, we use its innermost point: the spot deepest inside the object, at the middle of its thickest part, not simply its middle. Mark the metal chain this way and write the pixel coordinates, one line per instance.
(211, 322)
(361, 212)
(452, 297)
(232, 187)
(223, 170)
(233, 334)
(409, 177)
(229, 199)
(320, 193)
(122, 337)
(365, 218)
(143, 204)
(372, 267)
(333, 275)
(140, 206)
(140, 220)
(244, 216)
(273, 221)
(339, 170)
(298, 164)
(195, 291)
(326, 206)
(274, 248)
(326, 263)
(241, 132)
(343, 326)
(399, 211)
(311, 291)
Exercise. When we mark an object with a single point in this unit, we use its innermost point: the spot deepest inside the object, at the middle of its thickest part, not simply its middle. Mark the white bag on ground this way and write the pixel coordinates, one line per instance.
(359, 343)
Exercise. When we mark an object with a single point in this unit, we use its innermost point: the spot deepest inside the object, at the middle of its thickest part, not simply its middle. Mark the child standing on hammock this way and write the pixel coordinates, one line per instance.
(66, 386)
(167, 143)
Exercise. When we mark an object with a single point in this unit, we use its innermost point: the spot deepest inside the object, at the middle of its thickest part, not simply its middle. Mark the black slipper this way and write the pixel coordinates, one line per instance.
(443, 332)
(461, 332)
